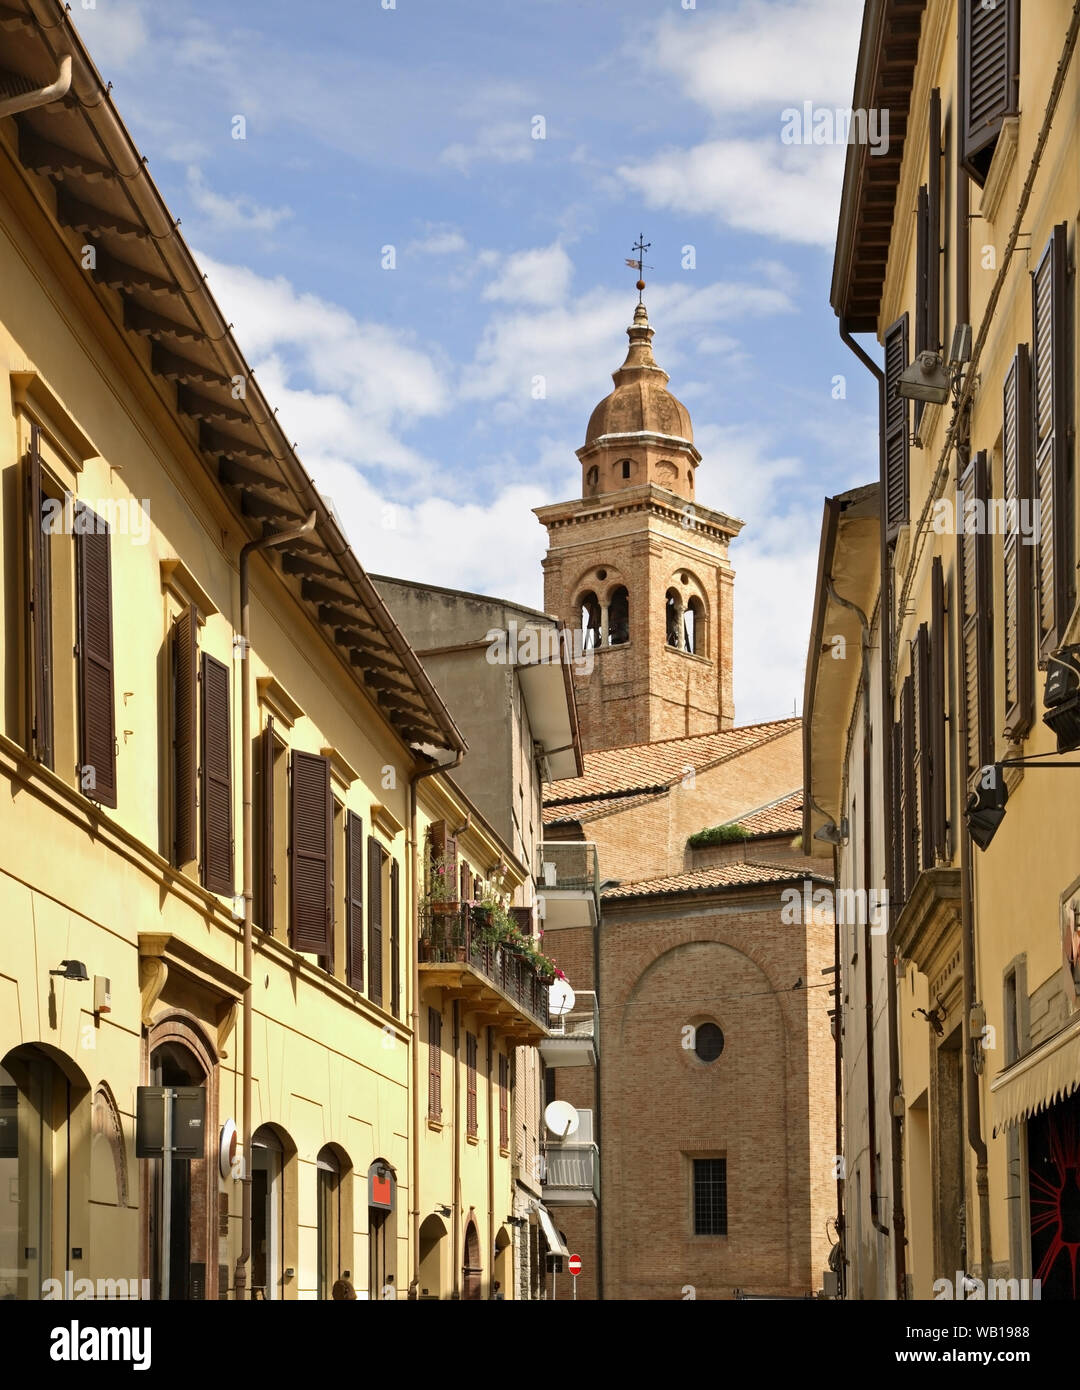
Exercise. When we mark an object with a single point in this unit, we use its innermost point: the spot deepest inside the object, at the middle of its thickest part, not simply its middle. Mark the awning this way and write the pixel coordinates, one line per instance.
(1049, 1074)
(551, 1235)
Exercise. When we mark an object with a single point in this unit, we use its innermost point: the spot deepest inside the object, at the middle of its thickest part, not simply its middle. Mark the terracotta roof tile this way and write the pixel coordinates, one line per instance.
(738, 874)
(652, 767)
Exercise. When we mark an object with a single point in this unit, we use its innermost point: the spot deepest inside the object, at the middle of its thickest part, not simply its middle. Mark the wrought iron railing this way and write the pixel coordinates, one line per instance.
(453, 932)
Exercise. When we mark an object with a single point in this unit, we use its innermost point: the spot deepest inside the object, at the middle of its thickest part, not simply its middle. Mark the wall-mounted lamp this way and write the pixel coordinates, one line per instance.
(925, 380)
(71, 970)
(832, 833)
(935, 1017)
(444, 1211)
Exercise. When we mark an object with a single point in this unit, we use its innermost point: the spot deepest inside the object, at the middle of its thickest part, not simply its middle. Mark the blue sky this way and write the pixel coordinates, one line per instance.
(413, 126)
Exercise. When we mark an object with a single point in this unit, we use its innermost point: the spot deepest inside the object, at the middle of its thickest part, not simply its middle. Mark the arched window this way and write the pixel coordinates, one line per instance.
(433, 1245)
(690, 478)
(592, 477)
(382, 1230)
(694, 626)
(619, 617)
(273, 1213)
(673, 619)
(179, 1198)
(588, 606)
(626, 468)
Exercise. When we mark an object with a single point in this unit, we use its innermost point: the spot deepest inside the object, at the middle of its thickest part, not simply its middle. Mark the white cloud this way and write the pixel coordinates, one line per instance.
(237, 214)
(438, 240)
(497, 142)
(538, 276)
(761, 54)
(114, 34)
(790, 192)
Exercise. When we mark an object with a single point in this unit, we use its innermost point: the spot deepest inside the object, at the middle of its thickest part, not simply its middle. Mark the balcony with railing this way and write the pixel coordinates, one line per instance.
(493, 979)
(571, 1166)
(574, 1040)
(569, 883)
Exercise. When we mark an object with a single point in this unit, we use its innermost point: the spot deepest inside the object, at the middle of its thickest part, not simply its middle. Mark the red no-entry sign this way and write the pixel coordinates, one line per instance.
(574, 1264)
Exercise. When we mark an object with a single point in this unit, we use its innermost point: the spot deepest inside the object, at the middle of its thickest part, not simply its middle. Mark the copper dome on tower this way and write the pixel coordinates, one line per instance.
(640, 401)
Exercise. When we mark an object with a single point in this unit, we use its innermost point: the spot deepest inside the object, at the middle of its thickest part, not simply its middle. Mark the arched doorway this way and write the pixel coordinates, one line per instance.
(473, 1270)
(42, 1151)
(335, 1223)
(502, 1269)
(382, 1230)
(273, 1213)
(182, 1259)
(432, 1250)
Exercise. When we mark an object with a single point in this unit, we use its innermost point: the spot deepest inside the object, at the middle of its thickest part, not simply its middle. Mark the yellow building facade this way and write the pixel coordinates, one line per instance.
(220, 765)
(957, 249)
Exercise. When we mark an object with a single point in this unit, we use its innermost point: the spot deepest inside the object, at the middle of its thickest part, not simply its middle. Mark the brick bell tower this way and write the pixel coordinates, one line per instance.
(641, 569)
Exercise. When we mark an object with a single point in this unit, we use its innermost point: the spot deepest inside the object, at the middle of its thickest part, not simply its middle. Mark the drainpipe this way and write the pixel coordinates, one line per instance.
(838, 1069)
(491, 1157)
(456, 1177)
(885, 606)
(867, 869)
(42, 96)
(275, 539)
(414, 885)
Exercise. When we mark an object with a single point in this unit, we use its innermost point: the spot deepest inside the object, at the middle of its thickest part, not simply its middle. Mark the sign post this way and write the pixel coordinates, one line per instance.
(574, 1266)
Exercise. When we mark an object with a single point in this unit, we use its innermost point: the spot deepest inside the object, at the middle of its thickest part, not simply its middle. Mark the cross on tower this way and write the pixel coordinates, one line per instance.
(640, 246)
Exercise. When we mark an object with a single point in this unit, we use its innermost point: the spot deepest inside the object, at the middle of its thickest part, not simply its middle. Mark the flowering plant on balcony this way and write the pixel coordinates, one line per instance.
(441, 881)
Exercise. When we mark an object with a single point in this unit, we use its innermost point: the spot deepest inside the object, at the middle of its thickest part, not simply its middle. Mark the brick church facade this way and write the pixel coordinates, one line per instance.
(713, 1098)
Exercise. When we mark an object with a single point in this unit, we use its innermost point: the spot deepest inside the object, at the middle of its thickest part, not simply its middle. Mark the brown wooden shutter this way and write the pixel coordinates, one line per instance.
(311, 843)
(217, 837)
(922, 271)
(395, 938)
(898, 816)
(989, 48)
(464, 879)
(896, 428)
(909, 791)
(97, 719)
(37, 545)
(922, 742)
(523, 916)
(939, 638)
(265, 831)
(974, 558)
(354, 900)
(185, 652)
(933, 217)
(1050, 409)
(434, 1064)
(470, 1062)
(504, 1102)
(1016, 473)
(375, 921)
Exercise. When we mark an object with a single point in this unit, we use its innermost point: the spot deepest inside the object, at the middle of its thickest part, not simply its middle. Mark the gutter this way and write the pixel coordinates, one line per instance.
(885, 605)
(42, 96)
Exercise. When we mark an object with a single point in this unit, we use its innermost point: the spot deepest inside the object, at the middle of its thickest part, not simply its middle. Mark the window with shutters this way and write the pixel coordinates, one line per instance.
(939, 646)
(908, 785)
(271, 788)
(216, 778)
(1019, 648)
(1053, 486)
(897, 438)
(395, 938)
(989, 78)
(94, 660)
(185, 737)
(471, 1126)
(974, 556)
(39, 550)
(921, 686)
(443, 857)
(310, 854)
(377, 898)
(335, 963)
(504, 1102)
(354, 900)
(434, 1064)
(896, 749)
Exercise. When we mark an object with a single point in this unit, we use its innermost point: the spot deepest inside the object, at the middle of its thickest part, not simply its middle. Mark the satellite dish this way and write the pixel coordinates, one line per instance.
(561, 1118)
(561, 998)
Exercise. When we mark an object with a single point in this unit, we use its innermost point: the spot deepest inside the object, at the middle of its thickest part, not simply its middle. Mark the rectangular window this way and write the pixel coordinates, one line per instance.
(710, 1196)
(897, 440)
(376, 857)
(185, 740)
(989, 78)
(974, 557)
(1055, 587)
(504, 1101)
(40, 607)
(354, 893)
(1016, 580)
(216, 781)
(97, 719)
(434, 1033)
(395, 938)
(470, 1064)
(311, 854)
(936, 700)
(268, 758)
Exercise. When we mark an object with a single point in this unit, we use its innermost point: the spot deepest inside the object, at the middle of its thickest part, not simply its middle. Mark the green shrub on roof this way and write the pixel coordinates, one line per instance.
(718, 835)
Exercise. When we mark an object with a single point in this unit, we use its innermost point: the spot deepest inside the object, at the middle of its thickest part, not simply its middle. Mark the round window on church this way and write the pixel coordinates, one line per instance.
(708, 1042)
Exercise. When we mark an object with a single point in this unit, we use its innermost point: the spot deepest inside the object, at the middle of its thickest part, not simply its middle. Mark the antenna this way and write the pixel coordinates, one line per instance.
(562, 1119)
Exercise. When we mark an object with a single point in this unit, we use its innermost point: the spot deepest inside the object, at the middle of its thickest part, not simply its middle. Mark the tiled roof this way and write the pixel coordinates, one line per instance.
(653, 767)
(737, 874)
(598, 806)
(780, 817)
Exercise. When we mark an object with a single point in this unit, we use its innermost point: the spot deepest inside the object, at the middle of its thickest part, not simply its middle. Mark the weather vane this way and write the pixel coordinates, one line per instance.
(640, 246)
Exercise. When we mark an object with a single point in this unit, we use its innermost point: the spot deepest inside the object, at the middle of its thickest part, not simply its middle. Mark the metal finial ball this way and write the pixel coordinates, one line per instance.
(640, 285)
